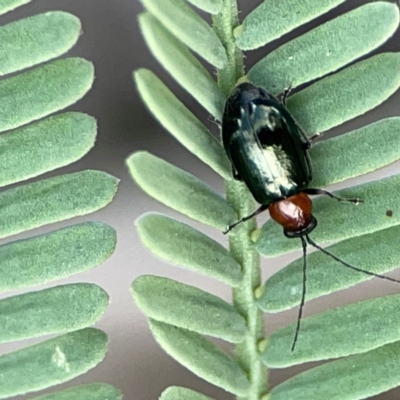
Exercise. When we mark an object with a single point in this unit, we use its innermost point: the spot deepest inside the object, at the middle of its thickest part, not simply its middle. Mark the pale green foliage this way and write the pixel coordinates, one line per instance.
(211, 6)
(192, 30)
(328, 46)
(185, 306)
(356, 328)
(45, 145)
(282, 290)
(43, 91)
(369, 233)
(26, 151)
(182, 124)
(201, 356)
(8, 5)
(63, 308)
(36, 39)
(273, 18)
(51, 362)
(362, 150)
(347, 94)
(179, 190)
(182, 245)
(355, 377)
(183, 66)
(64, 252)
(54, 199)
(180, 393)
(94, 391)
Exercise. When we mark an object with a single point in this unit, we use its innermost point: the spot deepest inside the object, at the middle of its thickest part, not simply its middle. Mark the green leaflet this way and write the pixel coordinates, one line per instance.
(355, 377)
(338, 221)
(55, 255)
(201, 357)
(94, 391)
(211, 6)
(189, 28)
(377, 252)
(43, 90)
(51, 362)
(273, 18)
(188, 307)
(183, 66)
(45, 145)
(356, 328)
(347, 94)
(181, 393)
(181, 123)
(180, 244)
(8, 5)
(54, 199)
(55, 310)
(179, 190)
(36, 39)
(361, 151)
(328, 46)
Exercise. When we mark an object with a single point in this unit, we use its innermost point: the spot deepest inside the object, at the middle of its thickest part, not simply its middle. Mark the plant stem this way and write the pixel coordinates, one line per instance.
(240, 245)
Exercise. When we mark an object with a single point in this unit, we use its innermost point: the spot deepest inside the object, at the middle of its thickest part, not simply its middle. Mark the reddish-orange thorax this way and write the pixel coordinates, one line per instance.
(293, 213)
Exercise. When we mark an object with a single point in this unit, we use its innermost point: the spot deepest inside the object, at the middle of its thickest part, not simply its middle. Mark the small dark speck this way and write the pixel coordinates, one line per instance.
(389, 213)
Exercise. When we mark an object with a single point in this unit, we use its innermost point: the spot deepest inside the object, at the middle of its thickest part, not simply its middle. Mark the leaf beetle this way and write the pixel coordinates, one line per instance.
(268, 151)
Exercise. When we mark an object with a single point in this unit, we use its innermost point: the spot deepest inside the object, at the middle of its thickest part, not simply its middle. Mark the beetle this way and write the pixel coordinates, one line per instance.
(268, 151)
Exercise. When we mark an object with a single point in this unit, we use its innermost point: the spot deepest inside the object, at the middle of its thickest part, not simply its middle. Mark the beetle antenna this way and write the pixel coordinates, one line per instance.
(303, 294)
(312, 243)
(258, 211)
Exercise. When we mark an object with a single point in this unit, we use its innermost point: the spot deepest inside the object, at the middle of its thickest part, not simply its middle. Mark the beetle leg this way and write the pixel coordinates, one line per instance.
(236, 174)
(286, 94)
(307, 141)
(309, 165)
(315, 136)
(215, 121)
(258, 211)
(306, 145)
(322, 191)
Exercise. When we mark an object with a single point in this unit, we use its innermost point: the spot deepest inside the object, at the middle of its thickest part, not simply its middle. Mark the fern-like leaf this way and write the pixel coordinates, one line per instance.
(28, 150)
(94, 391)
(357, 377)
(337, 333)
(272, 19)
(182, 65)
(191, 249)
(180, 190)
(185, 306)
(179, 314)
(328, 46)
(180, 393)
(51, 362)
(178, 120)
(282, 290)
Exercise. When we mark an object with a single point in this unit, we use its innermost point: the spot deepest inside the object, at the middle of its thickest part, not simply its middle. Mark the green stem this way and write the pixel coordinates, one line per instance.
(240, 245)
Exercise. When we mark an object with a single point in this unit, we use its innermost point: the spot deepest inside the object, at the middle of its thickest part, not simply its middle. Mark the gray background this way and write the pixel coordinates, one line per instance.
(111, 39)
